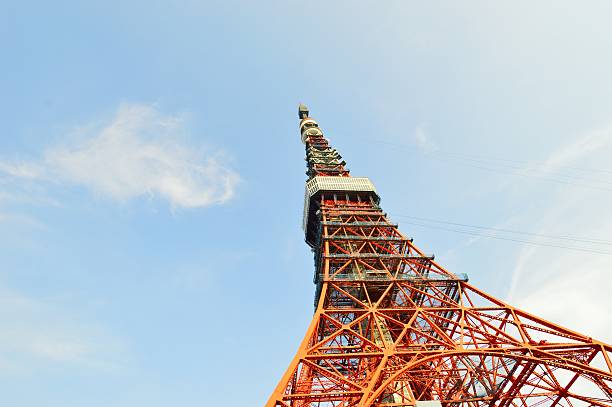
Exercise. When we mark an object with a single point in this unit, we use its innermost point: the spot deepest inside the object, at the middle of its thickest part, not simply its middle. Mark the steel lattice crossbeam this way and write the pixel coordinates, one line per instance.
(394, 328)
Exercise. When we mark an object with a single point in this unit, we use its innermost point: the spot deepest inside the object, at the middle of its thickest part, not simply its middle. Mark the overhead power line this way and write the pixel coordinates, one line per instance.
(530, 169)
(567, 175)
(512, 231)
(510, 239)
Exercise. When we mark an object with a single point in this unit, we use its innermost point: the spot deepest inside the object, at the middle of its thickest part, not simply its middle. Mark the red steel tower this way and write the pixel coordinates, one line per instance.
(393, 328)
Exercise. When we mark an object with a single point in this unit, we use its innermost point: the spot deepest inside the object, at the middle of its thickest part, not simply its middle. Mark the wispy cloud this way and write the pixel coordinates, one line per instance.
(35, 332)
(21, 170)
(580, 148)
(20, 219)
(568, 287)
(422, 140)
(140, 152)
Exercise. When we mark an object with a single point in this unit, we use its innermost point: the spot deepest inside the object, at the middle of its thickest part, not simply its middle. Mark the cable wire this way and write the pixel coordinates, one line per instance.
(512, 231)
(529, 242)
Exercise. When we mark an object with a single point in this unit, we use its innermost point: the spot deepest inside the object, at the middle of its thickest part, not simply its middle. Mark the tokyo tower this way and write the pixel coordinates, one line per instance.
(393, 328)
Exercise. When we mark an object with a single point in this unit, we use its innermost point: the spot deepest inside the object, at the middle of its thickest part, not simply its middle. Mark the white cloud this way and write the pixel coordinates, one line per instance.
(140, 152)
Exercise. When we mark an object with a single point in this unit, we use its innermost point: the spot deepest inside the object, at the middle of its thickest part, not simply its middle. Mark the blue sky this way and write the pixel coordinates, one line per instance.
(151, 176)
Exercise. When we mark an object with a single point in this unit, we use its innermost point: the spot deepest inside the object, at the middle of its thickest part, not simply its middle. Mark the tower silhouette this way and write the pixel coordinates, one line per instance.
(394, 328)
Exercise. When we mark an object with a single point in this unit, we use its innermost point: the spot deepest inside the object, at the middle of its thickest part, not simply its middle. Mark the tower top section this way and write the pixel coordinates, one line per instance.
(328, 178)
(308, 126)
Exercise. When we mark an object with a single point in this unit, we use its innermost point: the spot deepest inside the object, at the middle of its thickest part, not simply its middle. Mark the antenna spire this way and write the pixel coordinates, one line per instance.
(302, 111)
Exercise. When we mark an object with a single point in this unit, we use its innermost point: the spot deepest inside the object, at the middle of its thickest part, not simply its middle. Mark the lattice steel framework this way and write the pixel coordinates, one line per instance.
(394, 328)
